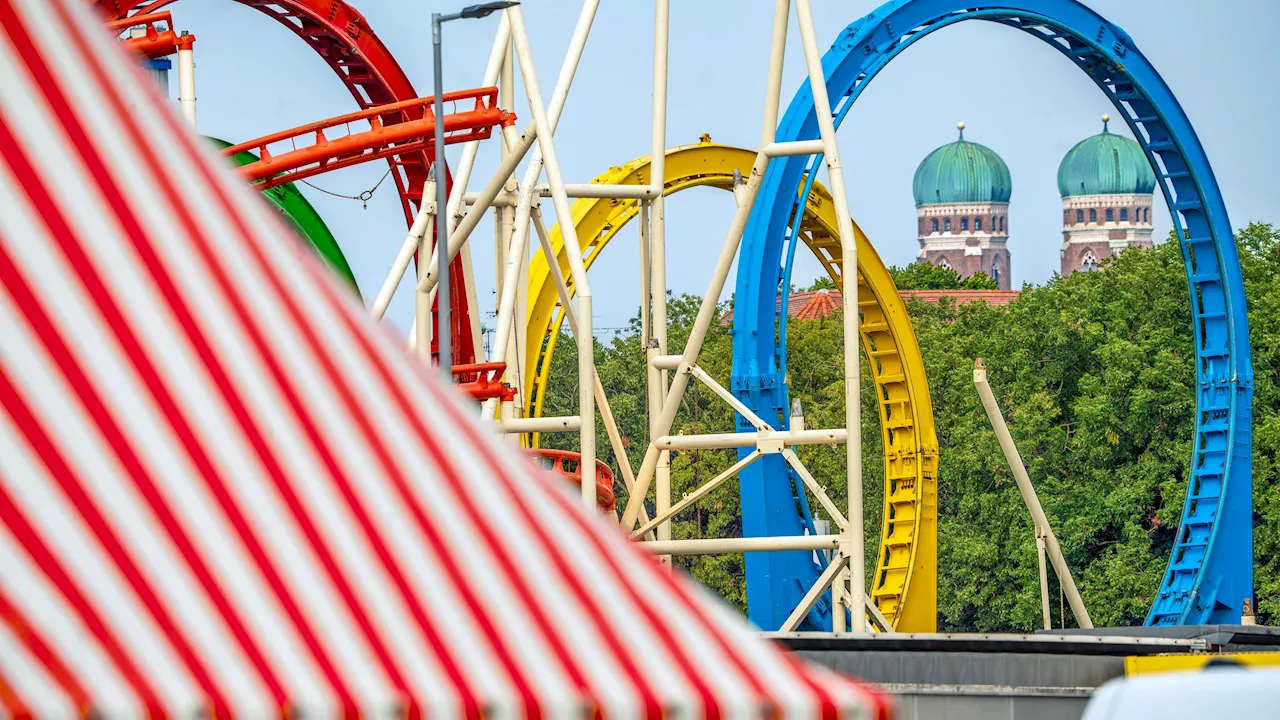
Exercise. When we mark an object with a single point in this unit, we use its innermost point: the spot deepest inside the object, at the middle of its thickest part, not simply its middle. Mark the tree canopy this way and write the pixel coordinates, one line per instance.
(1096, 375)
(927, 276)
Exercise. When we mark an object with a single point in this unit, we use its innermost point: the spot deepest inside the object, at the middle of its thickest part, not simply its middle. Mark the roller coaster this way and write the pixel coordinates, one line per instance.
(780, 204)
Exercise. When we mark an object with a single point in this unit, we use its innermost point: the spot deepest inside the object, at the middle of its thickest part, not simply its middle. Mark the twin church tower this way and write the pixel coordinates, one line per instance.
(962, 193)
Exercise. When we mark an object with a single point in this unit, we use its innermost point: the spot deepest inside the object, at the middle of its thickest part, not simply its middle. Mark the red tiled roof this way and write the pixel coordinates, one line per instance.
(994, 298)
(821, 303)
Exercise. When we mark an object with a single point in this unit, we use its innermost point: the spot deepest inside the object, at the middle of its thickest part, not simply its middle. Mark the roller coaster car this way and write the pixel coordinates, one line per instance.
(569, 464)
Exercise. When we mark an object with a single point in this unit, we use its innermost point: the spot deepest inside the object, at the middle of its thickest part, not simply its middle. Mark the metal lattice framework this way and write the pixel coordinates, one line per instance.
(1210, 569)
(907, 592)
(788, 588)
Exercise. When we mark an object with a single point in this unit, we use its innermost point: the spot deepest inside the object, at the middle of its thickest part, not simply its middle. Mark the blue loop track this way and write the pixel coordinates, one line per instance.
(1210, 570)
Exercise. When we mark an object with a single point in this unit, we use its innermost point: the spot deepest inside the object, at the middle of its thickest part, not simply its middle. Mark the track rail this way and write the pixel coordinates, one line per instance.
(1210, 568)
(315, 148)
(154, 42)
(342, 37)
(906, 582)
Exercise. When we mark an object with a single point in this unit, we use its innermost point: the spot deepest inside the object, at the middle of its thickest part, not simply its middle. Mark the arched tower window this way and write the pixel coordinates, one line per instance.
(995, 269)
(1079, 217)
(964, 224)
(1088, 263)
(977, 224)
(1093, 216)
(944, 264)
(1124, 214)
(935, 224)
(1111, 215)
(1002, 217)
(946, 225)
(995, 224)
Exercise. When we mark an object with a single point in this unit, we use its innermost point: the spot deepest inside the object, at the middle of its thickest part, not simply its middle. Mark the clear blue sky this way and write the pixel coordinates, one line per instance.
(1016, 96)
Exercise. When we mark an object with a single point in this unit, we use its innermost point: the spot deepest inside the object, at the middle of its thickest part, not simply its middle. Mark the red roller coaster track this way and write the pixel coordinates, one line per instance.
(317, 148)
(154, 42)
(343, 39)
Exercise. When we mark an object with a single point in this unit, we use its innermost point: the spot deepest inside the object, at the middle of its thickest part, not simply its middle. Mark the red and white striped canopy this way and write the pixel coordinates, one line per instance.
(224, 491)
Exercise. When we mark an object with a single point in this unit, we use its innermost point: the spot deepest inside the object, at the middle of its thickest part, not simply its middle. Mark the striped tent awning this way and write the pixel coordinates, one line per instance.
(225, 491)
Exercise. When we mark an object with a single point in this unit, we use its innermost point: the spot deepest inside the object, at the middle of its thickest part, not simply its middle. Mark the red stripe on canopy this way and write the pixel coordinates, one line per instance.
(225, 491)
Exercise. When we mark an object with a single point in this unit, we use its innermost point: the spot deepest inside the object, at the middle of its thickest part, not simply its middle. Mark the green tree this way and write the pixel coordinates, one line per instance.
(822, 282)
(927, 276)
(1096, 376)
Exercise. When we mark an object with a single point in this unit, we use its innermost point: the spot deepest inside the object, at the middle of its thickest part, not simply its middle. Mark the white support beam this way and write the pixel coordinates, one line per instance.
(585, 337)
(815, 489)
(730, 546)
(852, 346)
(567, 423)
(1029, 497)
(579, 190)
(697, 494)
(793, 147)
(820, 586)
(756, 421)
(749, 439)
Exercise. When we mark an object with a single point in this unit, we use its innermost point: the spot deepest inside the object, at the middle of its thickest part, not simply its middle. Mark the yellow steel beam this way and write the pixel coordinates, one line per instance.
(904, 583)
(1148, 664)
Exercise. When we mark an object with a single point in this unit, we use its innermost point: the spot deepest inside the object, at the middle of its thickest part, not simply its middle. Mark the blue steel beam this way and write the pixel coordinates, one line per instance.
(1210, 569)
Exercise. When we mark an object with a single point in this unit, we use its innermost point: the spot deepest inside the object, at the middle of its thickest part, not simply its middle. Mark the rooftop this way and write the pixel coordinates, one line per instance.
(821, 303)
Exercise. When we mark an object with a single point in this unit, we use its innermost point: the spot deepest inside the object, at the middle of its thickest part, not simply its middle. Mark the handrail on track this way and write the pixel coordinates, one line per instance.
(569, 464)
(325, 153)
(154, 43)
(483, 381)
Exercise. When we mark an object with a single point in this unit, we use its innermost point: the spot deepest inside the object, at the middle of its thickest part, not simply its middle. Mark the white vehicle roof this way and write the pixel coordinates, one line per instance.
(1211, 693)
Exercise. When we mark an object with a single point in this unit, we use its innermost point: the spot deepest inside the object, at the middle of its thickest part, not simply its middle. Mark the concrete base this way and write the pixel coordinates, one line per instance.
(1043, 676)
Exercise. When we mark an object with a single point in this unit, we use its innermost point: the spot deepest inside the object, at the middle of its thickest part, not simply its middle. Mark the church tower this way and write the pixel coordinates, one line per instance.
(1106, 185)
(962, 206)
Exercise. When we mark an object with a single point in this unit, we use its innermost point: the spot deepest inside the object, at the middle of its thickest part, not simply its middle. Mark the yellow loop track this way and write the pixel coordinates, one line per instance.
(904, 581)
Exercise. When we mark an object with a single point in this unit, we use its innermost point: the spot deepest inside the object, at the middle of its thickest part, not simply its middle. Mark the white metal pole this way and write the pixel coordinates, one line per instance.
(565, 423)
(839, 600)
(645, 285)
(724, 546)
(658, 247)
(519, 147)
(421, 301)
(1029, 497)
(187, 77)
(777, 48)
(517, 268)
(604, 191)
(825, 580)
(499, 57)
(515, 348)
(698, 493)
(852, 347)
(570, 319)
(412, 241)
(1044, 581)
(586, 340)
(504, 217)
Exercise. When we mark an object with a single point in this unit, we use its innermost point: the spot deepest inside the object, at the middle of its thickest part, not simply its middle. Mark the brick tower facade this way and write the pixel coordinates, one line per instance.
(962, 193)
(1106, 185)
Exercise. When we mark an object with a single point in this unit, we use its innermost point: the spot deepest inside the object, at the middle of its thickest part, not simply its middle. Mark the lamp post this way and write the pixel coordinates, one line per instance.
(445, 334)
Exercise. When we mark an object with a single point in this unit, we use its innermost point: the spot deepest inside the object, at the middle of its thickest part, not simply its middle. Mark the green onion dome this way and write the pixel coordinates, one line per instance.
(962, 172)
(1105, 164)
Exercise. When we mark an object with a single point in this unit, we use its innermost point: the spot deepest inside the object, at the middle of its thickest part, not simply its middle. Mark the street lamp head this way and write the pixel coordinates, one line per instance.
(484, 9)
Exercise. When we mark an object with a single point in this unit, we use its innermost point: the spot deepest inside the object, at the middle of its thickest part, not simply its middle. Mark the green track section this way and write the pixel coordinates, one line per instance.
(303, 217)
